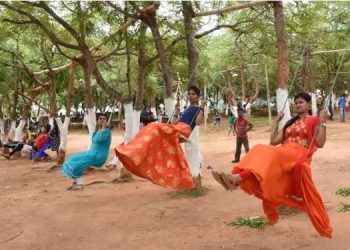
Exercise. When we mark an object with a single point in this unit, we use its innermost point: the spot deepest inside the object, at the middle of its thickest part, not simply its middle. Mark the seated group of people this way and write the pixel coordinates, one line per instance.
(32, 141)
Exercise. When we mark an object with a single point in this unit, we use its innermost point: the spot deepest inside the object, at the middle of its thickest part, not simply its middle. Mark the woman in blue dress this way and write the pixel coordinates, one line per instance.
(75, 165)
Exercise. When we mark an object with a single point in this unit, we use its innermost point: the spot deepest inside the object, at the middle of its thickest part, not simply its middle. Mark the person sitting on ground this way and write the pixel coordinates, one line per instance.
(16, 146)
(75, 165)
(42, 138)
(31, 134)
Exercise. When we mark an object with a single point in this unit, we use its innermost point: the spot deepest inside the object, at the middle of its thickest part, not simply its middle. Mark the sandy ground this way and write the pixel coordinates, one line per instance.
(38, 213)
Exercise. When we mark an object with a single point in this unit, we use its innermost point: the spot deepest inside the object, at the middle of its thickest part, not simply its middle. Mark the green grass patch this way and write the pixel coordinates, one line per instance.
(257, 222)
(193, 193)
(344, 207)
(343, 192)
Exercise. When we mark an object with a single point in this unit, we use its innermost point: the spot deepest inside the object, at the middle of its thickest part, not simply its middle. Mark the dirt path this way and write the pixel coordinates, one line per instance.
(38, 213)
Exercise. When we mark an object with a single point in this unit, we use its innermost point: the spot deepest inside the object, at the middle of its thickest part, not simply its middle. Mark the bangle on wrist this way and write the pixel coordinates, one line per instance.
(202, 109)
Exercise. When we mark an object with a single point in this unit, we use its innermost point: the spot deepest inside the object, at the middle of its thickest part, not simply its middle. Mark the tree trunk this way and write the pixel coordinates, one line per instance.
(282, 46)
(87, 80)
(243, 82)
(192, 53)
(153, 105)
(22, 123)
(142, 66)
(282, 63)
(63, 128)
(257, 91)
(149, 17)
(2, 122)
(129, 124)
(90, 115)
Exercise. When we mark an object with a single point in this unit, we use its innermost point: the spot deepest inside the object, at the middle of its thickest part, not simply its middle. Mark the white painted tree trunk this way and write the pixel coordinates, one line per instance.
(334, 98)
(90, 118)
(136, 122)
(19, 130)
(2, 130)
(234, 111)
(63, 132)
(193, 154)
(154, 111)
(12, 131)
(51, 121)
(313, 104)
(129, 122)
(169, 106)
(283, 105)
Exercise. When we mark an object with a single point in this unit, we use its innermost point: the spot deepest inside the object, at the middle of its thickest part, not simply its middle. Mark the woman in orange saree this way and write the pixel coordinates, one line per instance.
(282, 175)
(155, 152)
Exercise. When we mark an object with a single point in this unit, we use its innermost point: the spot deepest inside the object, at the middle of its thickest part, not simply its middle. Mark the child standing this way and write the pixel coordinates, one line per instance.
(231, 121)
(241, 127)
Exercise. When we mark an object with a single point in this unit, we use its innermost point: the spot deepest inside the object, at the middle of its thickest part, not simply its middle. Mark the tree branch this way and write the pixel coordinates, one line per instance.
(64, 24)
(25, 67)
(117, 8)
(36, 21)
(17, 21)
(33, 101)
(230, 9)
(62, 53)
(54, 69)
(198, 36)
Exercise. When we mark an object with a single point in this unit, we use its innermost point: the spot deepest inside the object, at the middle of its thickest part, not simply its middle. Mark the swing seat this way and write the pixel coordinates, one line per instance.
(41, 152)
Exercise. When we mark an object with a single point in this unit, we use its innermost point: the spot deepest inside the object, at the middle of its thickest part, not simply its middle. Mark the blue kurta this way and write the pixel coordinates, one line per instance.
(189, 116)
(75, 165)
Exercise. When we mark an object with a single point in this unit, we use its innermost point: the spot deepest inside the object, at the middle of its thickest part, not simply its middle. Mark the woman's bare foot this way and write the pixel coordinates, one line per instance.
(231, 180)
(226, 179)
(217, 177)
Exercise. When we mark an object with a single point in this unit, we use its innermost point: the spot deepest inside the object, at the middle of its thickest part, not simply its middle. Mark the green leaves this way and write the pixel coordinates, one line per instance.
(343, 192)
(344, 207)
(253, 222)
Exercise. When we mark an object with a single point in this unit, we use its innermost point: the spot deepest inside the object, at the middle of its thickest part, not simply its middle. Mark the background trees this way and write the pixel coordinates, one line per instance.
(219, 49)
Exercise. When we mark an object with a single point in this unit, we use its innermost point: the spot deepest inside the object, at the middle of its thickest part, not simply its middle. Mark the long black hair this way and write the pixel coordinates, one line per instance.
(307, 98)
(194, 89)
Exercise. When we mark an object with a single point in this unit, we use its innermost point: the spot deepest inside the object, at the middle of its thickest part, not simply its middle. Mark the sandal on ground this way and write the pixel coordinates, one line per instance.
(217, 177)
(6, 156)
(71, 187)
(77, 188)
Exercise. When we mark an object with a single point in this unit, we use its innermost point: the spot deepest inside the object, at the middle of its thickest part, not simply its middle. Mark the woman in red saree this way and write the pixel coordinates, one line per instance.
(155, 152)
(282, 175)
